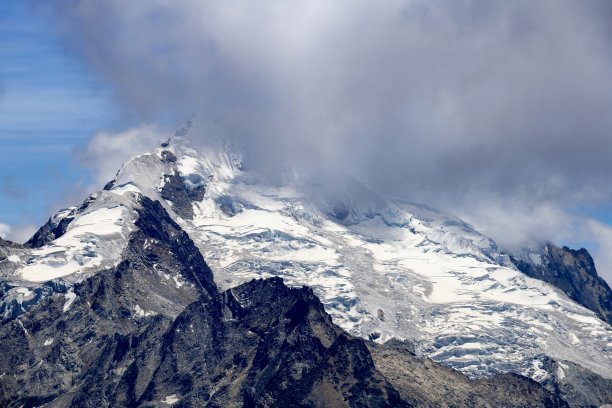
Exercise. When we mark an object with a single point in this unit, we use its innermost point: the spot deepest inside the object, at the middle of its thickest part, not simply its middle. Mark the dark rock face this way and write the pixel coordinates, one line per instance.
(162, 245)
(75, 345)
(340, 211)
(6, 249)
(260, 344)
(175, 190)
(53, 229)
(263, 344)
(425, 383)
(167, 156)
(154, 331)
(228, 205)
(572, 271)
(167, 262)
(9, 244)
(577, 385)
(57, 225)
(58, 350)
(11, 308)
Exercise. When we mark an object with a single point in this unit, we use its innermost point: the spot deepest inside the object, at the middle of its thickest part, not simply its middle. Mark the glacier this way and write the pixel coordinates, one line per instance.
(382, 268)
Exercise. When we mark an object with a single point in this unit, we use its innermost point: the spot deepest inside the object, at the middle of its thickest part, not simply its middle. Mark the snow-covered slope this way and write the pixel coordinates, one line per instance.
(382, 268)
(93, 240)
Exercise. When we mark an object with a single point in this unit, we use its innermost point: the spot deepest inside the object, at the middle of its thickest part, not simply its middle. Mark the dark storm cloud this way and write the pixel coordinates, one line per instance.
(490, 109)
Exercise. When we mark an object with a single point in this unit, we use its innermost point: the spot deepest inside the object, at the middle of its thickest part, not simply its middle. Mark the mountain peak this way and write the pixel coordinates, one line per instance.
(382, 268)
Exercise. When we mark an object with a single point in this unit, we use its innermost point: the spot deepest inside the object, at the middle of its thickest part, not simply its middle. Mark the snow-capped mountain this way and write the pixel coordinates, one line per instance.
(383, 269)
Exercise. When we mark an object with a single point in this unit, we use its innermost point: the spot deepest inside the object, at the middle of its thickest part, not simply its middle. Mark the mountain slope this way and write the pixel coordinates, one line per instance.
(109, 342)
(259, 344)
(263, 344)
(572, 271)
(58, 348)
(577, 385)
(382, 269)
(424, 383)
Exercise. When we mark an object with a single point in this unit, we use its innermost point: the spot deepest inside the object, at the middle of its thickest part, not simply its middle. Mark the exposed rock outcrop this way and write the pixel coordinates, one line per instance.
(572, 271)
(424, 383)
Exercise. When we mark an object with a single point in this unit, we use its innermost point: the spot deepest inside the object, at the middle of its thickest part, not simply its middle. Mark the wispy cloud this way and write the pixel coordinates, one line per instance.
(49, 103)
(4, 230)
(21, 233)
(601, 235)
(107, 151)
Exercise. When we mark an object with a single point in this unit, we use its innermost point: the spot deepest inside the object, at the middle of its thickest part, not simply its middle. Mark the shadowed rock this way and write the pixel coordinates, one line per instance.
(577, 385)
(572, 271)
(260, 344)
(263, 344)
(425, 383)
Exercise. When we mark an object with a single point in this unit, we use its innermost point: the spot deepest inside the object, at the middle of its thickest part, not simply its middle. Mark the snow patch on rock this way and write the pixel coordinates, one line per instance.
(70, 298)
(170, 399)
(140, 312)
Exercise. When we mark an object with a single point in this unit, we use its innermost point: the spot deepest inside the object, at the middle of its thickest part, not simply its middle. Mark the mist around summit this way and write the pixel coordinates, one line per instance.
(496, 112)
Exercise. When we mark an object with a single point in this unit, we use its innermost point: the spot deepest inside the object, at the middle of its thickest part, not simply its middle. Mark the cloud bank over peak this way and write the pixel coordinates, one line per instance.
(491, 110)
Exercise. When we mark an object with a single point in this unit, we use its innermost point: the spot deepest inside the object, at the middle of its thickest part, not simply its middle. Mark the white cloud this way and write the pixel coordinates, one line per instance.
(515, 225)
(497, 111)
(107, 151)
(5, 230)
(601, 235)
(17, 233)
(429, 100)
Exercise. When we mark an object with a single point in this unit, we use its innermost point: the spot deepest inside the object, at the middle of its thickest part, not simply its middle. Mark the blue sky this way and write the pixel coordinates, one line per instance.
(49, 106)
